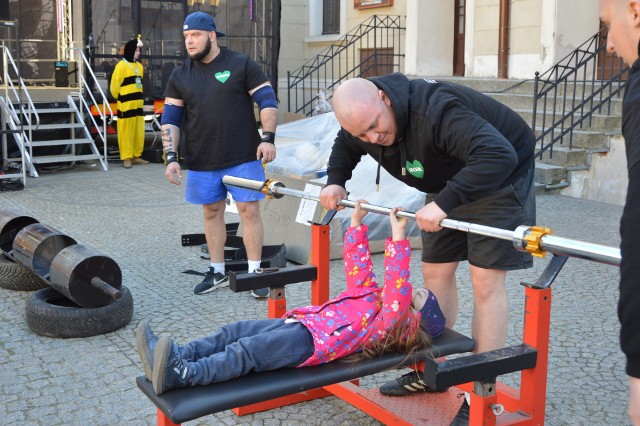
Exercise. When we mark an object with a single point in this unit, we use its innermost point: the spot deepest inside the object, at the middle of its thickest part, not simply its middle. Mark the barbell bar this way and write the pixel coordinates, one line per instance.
(533, 239)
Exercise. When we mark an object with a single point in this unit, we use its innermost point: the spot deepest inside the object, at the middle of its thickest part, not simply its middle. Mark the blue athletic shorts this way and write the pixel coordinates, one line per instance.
(207, 187)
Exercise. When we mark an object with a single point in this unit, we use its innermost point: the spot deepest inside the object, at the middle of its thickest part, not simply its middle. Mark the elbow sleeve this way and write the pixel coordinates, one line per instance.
(265, 97)
(172, 115)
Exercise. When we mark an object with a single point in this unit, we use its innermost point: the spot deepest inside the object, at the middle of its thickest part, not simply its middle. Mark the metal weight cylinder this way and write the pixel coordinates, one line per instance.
(37, 244)
(86, 277)
(11, 222)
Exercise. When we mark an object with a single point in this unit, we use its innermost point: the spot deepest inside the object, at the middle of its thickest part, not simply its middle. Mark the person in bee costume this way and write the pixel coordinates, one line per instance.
(126, 88)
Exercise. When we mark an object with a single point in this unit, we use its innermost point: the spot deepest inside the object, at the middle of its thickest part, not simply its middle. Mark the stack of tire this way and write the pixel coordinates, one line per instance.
(35, 257)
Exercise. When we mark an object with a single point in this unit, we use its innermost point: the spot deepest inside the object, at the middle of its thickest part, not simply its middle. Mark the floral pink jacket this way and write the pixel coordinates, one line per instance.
(364, 312)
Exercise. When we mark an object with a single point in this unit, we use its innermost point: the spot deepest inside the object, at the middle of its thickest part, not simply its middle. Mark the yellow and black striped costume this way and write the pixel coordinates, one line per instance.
(126, 88)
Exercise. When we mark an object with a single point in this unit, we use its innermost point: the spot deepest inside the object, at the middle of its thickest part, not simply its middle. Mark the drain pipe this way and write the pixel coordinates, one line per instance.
(503, 42)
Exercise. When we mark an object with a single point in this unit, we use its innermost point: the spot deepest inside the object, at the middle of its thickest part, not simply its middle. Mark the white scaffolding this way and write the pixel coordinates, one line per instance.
(65, 27)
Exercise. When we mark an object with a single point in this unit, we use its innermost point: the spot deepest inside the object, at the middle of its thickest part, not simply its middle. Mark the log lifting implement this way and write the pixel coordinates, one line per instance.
(533, 239)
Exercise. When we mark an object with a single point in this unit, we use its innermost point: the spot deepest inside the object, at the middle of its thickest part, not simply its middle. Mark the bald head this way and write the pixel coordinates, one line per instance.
(353, 98)
(363, 110)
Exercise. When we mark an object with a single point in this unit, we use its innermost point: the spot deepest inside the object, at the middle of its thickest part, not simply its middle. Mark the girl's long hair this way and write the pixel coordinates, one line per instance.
(406, 336)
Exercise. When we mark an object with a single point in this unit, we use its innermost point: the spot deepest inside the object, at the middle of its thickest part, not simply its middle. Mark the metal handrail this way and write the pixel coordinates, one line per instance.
(19, 137)
(84, 89)
(340, 61)
(30, 115)
(31, 109)
(572, 97)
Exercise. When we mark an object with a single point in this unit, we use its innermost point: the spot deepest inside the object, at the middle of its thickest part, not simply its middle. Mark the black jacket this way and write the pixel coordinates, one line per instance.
(452, 140)
(629, 304)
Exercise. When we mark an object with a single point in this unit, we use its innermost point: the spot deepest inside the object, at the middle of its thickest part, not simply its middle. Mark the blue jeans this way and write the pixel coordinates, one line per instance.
(244, 346)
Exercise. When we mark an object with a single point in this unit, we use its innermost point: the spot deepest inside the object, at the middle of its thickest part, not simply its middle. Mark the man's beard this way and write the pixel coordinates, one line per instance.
(201, 55)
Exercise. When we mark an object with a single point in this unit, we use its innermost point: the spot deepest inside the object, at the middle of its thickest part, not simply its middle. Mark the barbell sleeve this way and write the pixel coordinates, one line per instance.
(533, 239)
(106, 288)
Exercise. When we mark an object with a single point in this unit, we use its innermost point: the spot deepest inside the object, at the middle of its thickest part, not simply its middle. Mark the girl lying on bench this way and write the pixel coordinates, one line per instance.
(365, 320)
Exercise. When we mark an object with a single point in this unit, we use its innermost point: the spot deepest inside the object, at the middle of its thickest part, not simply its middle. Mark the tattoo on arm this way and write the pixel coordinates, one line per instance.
(167, 141)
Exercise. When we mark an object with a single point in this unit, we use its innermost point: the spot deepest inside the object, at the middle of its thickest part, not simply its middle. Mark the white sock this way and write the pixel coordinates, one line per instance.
(253, 265)
(218, 267)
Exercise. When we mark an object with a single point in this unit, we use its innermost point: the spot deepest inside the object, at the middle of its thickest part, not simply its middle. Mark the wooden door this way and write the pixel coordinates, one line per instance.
(458, 37)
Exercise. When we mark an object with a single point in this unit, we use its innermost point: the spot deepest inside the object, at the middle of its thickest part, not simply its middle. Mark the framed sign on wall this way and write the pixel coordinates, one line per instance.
(368, 4)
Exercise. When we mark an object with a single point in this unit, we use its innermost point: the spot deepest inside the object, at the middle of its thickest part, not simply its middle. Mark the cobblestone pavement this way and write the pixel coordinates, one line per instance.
(136, 218)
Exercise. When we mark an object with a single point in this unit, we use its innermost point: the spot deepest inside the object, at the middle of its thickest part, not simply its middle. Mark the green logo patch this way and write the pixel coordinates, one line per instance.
(223, 76)
(415, 169)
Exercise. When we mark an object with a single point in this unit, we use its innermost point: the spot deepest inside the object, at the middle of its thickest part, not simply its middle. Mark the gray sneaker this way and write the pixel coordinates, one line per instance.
(169, 370)
(212, 281)
(146, 342)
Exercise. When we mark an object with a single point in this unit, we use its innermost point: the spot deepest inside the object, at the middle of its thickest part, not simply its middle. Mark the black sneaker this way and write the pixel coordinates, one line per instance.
(260, 293)
(146, 342)
(407, 384)
(212, 281)
(462, 418)
(169, 370)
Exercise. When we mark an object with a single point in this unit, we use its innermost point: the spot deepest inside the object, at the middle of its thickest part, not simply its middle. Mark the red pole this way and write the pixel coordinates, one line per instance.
(533, 382)
(320, 248)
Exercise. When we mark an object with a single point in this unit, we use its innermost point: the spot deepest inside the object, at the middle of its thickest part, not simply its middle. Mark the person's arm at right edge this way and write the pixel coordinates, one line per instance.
(171, 121)
(629, 303)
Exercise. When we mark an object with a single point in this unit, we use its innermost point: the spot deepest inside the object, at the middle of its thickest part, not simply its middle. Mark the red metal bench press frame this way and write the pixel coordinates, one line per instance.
(523, 406)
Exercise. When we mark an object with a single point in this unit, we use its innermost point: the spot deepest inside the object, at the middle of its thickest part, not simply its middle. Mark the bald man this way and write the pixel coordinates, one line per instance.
(623, 19)
(472, 156)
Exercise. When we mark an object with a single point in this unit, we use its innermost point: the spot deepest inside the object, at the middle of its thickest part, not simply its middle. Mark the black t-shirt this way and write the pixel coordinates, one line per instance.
(219, 128)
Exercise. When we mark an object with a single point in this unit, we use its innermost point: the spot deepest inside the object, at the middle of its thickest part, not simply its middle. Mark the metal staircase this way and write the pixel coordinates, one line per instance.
(77, 135)
(16, 108)
(36, 140)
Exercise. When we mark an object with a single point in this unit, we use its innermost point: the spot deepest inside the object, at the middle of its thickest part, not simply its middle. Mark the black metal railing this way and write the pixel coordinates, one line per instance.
(567, 95)
(375, 47)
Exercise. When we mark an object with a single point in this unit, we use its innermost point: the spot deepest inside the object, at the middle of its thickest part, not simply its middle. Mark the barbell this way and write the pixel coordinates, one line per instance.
(532, 239)
(83, 275)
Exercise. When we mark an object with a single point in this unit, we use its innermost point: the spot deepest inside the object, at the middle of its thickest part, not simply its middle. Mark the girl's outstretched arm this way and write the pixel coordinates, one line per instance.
(358, 268)
(398, 224)
(358, 213)
(396, 296)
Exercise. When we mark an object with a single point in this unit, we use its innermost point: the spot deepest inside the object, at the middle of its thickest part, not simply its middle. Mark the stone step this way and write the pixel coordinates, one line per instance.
(520, 87)
(566, 157)
(579, 139)
(550, 174)
(597, 122)
(525, 101)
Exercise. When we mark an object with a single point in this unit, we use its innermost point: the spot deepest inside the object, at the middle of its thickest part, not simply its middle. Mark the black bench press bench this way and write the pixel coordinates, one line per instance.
(187, 404)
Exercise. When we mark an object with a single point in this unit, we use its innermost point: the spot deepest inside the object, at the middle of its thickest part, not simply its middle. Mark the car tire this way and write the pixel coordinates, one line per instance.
(49, 313)
(14, 276)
